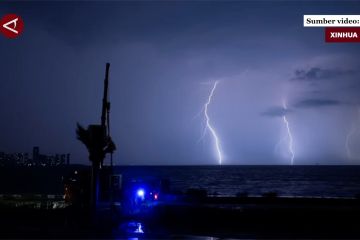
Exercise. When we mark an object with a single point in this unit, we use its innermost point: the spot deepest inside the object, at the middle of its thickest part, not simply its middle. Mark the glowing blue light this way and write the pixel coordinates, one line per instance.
(140, 193)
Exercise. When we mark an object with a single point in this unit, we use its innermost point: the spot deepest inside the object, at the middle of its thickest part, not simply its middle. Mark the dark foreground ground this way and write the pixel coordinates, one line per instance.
(215, 217)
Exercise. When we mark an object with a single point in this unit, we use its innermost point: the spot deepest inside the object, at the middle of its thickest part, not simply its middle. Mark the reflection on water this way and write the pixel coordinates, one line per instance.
(132, 229)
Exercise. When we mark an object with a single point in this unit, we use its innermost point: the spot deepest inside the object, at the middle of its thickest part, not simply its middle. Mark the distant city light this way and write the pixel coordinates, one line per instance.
(156, 197)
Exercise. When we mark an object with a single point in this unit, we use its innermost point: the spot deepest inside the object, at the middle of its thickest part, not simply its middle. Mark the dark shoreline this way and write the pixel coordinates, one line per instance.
(217, 217)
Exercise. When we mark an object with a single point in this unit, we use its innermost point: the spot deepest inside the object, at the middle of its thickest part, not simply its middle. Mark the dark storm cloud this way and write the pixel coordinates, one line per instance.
(159, 53)
(316, 103)
(317, 73)
(75, 23)
(276, 112)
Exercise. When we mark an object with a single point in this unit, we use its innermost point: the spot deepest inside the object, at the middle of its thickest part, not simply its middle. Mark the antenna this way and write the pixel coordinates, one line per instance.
(105, 103)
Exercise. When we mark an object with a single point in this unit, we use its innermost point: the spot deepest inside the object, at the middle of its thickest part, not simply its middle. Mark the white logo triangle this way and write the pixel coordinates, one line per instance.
(6, 26)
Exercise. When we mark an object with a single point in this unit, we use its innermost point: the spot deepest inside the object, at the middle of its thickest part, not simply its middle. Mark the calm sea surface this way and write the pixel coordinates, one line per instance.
(316, 181)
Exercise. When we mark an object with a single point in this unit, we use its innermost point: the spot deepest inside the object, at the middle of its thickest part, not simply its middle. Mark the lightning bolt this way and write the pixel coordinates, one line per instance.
(209, 127)
(354, 129)
(204, 127)
(349, 136)
(290, 145)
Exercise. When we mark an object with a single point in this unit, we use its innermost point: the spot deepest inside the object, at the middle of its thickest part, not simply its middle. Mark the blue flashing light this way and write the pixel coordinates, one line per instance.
(140, 193)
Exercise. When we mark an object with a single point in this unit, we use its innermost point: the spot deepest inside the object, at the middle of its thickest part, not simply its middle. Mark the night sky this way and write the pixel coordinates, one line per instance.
(165, 58)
